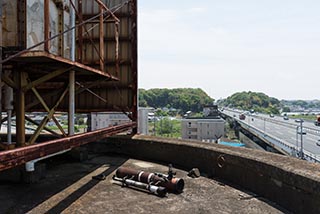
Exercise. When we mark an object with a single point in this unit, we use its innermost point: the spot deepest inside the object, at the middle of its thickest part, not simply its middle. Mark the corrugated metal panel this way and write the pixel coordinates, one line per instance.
(119, 93)
(26, 26)
(35, 25)
(10, 20)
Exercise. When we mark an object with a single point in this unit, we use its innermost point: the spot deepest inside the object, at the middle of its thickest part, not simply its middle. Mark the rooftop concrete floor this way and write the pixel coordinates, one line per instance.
(69, 188)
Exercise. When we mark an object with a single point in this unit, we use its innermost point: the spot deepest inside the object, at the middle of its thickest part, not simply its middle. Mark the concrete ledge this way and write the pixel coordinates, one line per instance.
(289, 182)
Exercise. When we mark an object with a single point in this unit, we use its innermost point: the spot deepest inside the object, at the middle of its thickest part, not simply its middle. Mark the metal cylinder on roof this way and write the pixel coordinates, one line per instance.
(158, 190)
(173, 185)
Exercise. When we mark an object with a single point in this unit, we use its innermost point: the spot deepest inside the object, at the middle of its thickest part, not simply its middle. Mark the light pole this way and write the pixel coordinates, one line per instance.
(301, 133)
(154, 124)
(297, 140)
(160, 126)
(264, 126)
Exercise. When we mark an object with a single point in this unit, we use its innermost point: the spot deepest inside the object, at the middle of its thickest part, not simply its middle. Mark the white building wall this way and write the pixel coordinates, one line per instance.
(143, 124)
(103, 120)
(189, 129)
(208, 130)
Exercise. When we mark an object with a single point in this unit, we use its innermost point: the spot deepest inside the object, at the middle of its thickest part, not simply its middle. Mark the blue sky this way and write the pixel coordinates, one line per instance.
(227, 46)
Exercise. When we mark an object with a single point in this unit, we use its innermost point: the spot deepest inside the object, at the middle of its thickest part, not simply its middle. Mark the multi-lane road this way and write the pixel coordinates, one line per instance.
(285, 130)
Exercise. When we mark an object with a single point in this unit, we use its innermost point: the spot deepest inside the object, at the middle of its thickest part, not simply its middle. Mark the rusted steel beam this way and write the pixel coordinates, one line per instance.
(21, 6)
(16, 157)
(47, 57)
(47, 118)
(46, 25)
(101, 38)
(81, 88)
(108, 10)
(98, 51)
(61, 28)
(116, 30)
(45, 128)
(101, 45)
(80, 32)
(46, 78)
(9, 81)
(46, 40)
(107, 39)
(48, 110)
(21, 80)
(1, 63)
(53, 93)
(91, 92)
(134, 64)
(116, 12)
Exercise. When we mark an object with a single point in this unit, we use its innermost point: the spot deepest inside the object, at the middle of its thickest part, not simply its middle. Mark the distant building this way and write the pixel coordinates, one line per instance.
(106, 119)
(211, 111)
(209, 128)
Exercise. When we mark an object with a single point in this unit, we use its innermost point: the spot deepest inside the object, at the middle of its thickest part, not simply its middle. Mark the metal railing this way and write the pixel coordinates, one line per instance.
(279, 144)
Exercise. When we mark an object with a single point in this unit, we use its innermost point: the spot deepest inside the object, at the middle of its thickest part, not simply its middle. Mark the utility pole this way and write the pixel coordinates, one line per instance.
(160, 125)
(154, 125)
(301, 133)
(301, 136)
(264, 126)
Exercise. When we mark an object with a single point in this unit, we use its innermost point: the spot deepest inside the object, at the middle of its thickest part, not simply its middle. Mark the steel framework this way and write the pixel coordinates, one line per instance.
(80, 56)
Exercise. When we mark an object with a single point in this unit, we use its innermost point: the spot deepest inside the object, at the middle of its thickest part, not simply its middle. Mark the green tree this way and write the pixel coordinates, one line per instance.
(184, 99)
(286, 109)
(259, 102)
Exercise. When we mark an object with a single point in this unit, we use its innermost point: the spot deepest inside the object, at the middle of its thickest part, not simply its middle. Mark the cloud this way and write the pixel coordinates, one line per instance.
(195, 10)
(194, 47)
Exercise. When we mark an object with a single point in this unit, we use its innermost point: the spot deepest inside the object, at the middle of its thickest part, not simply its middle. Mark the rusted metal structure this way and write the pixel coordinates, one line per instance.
(75, 56)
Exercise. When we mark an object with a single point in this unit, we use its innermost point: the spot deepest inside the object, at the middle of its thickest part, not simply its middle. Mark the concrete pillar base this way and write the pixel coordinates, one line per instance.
(36, 175)
(79, 154)
(20, 175)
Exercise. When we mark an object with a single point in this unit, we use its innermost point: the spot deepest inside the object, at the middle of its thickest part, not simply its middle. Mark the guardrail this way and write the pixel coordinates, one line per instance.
(308, 129)
(277, 143)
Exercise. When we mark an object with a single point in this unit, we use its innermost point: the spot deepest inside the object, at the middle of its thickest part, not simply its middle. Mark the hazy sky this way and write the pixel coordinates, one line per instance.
(228, 46)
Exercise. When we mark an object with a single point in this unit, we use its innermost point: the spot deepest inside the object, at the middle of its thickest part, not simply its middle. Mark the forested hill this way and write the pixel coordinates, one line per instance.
(252, 100)
(183, 99)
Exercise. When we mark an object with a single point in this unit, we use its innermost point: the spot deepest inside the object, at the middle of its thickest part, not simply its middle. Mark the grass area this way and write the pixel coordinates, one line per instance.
(165, 128)
(303, 116)
(230, 132)
(65, 127)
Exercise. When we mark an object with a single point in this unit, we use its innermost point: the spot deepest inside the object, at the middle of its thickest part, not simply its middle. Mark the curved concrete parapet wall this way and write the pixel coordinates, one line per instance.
(291, 183)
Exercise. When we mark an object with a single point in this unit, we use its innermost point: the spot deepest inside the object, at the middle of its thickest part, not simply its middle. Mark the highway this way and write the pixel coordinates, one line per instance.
(285, 130)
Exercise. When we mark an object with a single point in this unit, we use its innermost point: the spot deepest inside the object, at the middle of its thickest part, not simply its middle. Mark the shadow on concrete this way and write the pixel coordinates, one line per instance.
(62, 172)
(78, 193)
